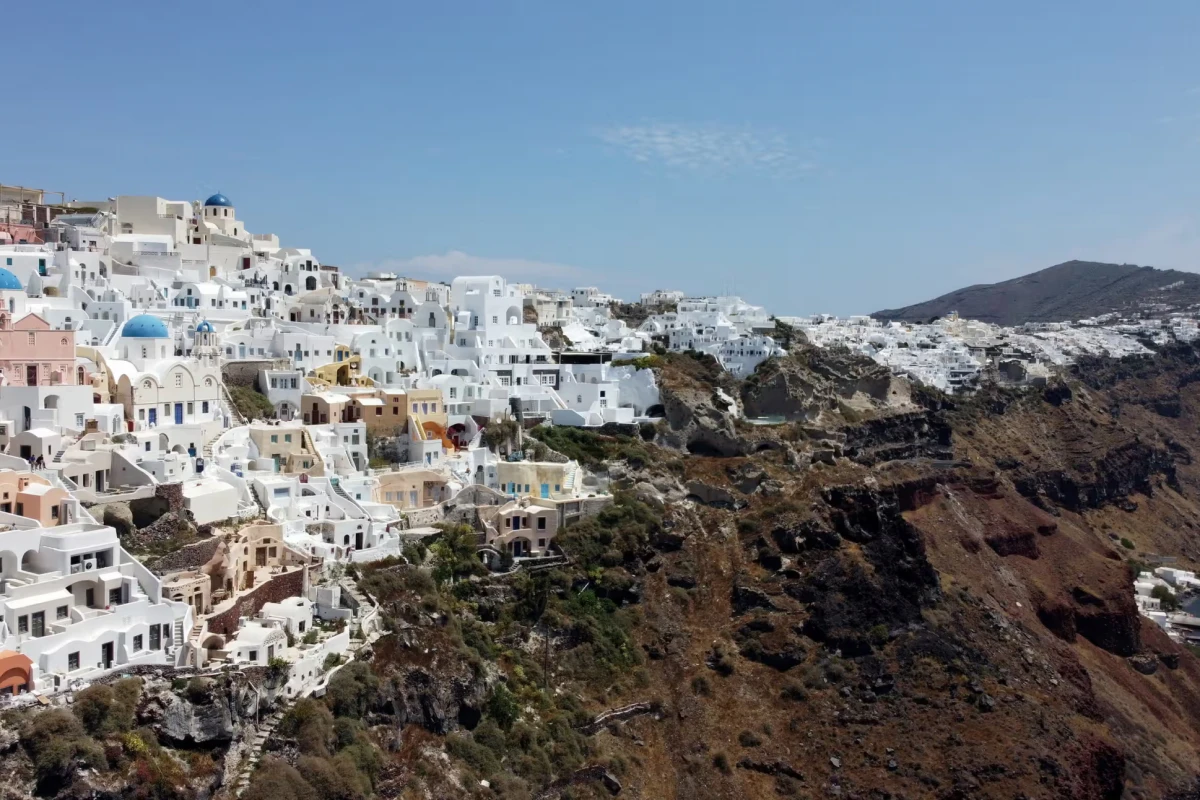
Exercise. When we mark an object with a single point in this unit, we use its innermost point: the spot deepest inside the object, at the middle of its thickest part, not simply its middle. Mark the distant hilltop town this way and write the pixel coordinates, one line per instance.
(200, 427)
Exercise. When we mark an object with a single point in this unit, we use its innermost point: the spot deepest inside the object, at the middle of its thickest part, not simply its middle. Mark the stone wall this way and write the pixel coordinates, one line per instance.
(421, 517)
(279, 588)
(245, 373)
(192, 556)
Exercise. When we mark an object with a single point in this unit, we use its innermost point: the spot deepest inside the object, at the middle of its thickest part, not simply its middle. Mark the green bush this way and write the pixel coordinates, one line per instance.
(311, 724)
(250, 403)
(502, 707)
(351, 691)
(1126, 543)
(277, 780)
(310, 637)
(622, 529)
(455, 555)
(102, 709)
(57, 743)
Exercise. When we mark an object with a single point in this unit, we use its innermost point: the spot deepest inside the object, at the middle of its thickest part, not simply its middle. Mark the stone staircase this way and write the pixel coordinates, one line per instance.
(253, 755)
(351, 588)
(228, 407)
(58, 456)
(178, 637)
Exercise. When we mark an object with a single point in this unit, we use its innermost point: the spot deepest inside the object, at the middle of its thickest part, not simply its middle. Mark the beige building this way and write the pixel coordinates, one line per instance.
(288, 446)
(411, 489)
(323, 408)
(32, 496)
(524, 528)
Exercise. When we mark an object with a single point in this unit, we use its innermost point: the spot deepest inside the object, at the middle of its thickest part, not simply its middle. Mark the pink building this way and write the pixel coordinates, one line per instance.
(34, 354)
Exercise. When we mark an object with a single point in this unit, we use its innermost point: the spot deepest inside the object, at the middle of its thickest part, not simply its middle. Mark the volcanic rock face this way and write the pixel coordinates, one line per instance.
(811, 380)
(181, 720)
(440, 694)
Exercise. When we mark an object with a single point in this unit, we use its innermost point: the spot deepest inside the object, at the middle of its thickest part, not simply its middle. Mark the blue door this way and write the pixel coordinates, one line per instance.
(179, 413)
(153, 416)
(545, 490)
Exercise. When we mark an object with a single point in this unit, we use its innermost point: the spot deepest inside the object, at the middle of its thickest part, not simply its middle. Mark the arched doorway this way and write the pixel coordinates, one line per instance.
(310, 283)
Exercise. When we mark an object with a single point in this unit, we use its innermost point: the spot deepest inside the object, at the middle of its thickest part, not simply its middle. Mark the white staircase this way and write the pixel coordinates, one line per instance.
(178, 638)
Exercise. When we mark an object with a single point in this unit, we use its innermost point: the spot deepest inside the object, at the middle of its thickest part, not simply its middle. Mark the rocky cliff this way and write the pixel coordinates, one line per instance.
(891, 593)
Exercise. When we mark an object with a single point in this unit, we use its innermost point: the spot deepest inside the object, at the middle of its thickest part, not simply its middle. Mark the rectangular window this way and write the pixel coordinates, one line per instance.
(60, 612)
(155, 638)
(72, 661)
(541, 523)
(274, 438)
(23, 620)
(114, 597)
(137, 643)
(253, 655)
(287, 437)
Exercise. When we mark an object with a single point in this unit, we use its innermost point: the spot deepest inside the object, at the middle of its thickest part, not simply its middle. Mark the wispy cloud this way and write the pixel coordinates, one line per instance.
(455, 262)
(708, 148)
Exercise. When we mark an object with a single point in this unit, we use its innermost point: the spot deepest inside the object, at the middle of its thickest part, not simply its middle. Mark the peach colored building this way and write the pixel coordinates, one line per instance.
(16, 673)
(34, 354)
(32, 496)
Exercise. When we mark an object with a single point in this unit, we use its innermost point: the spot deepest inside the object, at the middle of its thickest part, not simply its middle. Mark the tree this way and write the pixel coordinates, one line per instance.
(454, 554)
(1166, 598)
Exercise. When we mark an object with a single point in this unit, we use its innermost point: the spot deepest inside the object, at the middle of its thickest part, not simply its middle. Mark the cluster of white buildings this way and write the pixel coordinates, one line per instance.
(1148, 591)
(133, 330)
(953, 354)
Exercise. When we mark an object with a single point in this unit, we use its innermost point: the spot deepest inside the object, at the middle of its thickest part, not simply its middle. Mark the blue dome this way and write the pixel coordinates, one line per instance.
(204, 327)
(8, 280)
(145, 326)
(218, 200)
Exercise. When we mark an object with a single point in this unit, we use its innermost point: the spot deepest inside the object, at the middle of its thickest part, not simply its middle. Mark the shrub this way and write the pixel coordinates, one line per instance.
(102, 710)
(331, 660)
(310, 637)
(351, 690)
(701, 686)
(1126, 543)
(250, 403)
(454, 554)
(57, 742)
(795, 692)
(721, 762)
(502, 707)
(326, 780)
(278, 780)
(749, 739)
(311, 724)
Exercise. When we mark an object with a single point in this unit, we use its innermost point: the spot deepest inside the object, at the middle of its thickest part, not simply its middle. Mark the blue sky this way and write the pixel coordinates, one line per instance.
(809, 159)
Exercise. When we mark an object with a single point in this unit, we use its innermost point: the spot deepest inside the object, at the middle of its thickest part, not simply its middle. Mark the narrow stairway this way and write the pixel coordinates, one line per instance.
(251, 758)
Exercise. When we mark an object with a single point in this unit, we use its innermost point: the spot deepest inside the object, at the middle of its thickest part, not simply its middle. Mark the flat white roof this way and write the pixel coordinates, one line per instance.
(39, 599)
(370, 401)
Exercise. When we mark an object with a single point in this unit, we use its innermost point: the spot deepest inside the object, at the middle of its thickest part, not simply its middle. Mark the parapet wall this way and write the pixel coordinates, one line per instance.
(276, 590)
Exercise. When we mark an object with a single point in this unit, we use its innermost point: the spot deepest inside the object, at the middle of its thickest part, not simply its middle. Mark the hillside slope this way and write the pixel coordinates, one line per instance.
(893, 595)
(1069, 291)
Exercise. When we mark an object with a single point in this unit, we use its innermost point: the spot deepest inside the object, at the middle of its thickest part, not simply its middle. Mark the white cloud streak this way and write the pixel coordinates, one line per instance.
(708, 148)
(453, 263)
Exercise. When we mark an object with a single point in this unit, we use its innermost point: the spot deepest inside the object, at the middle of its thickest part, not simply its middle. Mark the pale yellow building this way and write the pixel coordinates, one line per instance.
(541, 479)
(411, 489)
